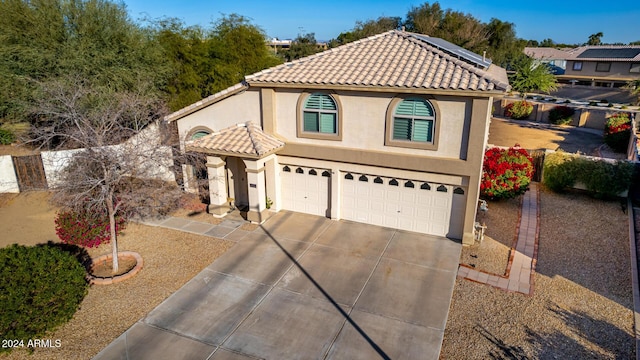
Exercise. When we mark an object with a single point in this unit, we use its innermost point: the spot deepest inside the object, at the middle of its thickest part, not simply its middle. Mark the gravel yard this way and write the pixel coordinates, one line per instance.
(582, 306)
(171, 258)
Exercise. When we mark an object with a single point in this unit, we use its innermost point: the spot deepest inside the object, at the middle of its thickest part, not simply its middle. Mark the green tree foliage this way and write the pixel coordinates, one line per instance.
(92, 39)
(367, 28)
(237, 48)
(530, 76)
(303, 45)
(503, 47)
(595, 39)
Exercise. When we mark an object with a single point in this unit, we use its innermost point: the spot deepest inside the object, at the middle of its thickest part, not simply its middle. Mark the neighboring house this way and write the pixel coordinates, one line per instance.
(606, 65)
(555, 58)
(389, 130)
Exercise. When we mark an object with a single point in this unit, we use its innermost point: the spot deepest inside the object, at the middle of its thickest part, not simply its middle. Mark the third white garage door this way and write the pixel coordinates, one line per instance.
(418, 206)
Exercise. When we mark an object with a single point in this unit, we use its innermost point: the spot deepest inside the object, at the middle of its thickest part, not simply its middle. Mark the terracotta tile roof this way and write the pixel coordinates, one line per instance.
(245, 139)
(394, 59)
(620, 53)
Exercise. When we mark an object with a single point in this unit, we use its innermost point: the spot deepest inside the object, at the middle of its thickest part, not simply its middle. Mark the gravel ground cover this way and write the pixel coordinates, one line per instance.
(171, 258)
(582, 306)
(492, 254)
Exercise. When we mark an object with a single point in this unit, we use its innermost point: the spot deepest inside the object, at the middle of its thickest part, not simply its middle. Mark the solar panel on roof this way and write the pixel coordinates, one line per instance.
(455, 51)
(609, 53)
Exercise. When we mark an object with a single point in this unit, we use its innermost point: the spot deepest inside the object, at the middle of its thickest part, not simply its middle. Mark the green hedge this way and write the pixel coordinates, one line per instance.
(41, 288)
(603, 179)
(561, 115)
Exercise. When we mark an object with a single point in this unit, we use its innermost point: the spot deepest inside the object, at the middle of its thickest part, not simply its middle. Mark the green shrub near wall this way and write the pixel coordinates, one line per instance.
(603, 179)
(561, 115)
(41, 288)
(518, 110)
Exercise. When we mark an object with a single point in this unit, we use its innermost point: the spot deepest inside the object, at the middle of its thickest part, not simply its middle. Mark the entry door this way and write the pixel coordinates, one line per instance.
(305, 190)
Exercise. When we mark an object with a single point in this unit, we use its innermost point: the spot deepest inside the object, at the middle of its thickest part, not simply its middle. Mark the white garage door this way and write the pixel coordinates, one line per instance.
(305, 190)
(403, 204)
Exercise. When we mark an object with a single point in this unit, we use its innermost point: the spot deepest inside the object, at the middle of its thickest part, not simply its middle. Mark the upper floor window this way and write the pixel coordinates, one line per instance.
(635, 68)
(603, 66)
(577, 65)
(319, 117)
(411, 122)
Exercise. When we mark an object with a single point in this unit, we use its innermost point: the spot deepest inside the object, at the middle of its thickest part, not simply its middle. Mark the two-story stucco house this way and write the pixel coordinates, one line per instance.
(605, 65)
(389, 130)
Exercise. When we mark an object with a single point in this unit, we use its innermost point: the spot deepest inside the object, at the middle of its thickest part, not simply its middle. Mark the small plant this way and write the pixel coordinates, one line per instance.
(617, 131)
(518, 110)
(506, 173)
(561, 115)
(269, 203)
(6, 137)
(41, 288)
(86, 229)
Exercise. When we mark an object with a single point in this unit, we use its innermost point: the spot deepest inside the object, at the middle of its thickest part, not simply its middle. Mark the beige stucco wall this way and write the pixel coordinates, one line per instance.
(238, 108)
(363, 122)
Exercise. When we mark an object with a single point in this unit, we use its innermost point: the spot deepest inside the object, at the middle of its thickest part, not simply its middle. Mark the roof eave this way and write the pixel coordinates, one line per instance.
(501, 88)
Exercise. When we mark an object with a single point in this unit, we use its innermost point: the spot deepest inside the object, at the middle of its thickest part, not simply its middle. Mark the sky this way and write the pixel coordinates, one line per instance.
(564, 21)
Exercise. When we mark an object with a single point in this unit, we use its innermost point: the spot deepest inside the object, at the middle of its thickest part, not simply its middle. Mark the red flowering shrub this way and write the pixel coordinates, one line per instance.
(506, 173)
(518, 110)
(617, 131)
(87, 229)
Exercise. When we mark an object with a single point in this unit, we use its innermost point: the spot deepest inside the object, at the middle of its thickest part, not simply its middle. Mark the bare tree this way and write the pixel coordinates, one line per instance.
(119, 166)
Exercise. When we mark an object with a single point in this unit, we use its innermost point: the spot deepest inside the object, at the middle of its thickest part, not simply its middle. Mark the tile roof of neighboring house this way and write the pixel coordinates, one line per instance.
(246, 139)
(627, 53)
(394, 59)
(547, 53)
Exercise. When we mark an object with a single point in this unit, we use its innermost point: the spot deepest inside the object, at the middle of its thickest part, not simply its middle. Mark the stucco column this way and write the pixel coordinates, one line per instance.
(480, 111)
(272, 178)
(257, 191)
(217, 186)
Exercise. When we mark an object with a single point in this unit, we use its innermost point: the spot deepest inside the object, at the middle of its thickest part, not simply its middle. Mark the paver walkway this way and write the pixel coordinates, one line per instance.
(522, 260)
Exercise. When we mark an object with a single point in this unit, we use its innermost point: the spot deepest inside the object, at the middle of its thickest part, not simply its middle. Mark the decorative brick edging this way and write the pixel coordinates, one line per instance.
(119, 278)
(502, 281)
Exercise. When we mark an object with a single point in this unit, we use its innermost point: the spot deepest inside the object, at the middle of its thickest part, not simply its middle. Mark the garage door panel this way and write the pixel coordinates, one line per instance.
(305, 192)
(390, 202)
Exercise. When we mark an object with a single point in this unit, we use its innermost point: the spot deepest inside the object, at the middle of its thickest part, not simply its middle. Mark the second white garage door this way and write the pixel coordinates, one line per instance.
(305, 190)
(402, 204)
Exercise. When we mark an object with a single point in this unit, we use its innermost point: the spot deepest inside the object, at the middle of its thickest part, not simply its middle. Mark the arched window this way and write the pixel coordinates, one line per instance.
(286, 169)
(320, 114)
(348, 176)
(411, 122)
(409, 184)
(393, 182)
(313, 172)
(363, 178)
(198, 134)
(378, 180)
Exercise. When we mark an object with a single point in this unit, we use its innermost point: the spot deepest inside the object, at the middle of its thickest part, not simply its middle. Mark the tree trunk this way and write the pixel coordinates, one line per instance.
(112, 229)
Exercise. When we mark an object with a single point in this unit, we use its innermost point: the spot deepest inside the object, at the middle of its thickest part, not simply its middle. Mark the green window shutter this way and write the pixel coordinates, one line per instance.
(405, 108)
(328, 123)
(422, 130)
(199, 134)
(401, 129)
(423, 108)
(313, 102)
(310, 121)
(328, 103)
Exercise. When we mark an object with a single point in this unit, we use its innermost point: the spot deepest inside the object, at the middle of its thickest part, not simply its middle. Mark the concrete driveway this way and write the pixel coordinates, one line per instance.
(306, 287)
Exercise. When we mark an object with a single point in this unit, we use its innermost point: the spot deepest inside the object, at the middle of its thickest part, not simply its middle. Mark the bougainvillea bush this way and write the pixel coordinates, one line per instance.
(617, 131)
(506, 173)
(87, 229)
(518, 110)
